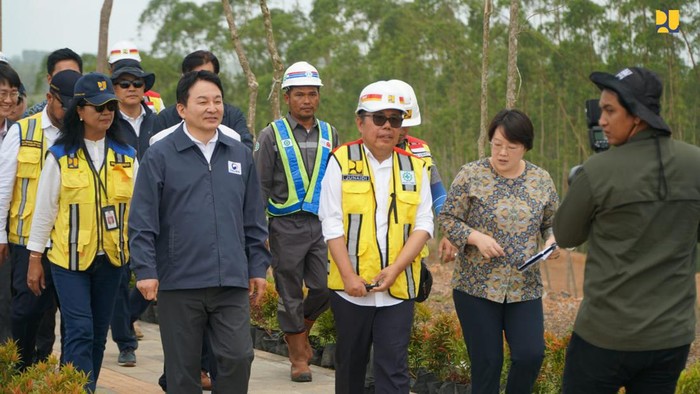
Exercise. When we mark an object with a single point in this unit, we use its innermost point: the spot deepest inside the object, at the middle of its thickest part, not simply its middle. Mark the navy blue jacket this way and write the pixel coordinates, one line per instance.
(128, 134)
(233, 118)
(197, 225)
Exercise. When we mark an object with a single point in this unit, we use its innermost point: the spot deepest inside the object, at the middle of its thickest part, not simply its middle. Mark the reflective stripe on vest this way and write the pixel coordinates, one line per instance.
(30, 160)
(79, 231)
(303, 195)
(359, 211)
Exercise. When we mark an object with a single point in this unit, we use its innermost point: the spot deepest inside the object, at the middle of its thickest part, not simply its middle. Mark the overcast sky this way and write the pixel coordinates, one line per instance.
(51, 24)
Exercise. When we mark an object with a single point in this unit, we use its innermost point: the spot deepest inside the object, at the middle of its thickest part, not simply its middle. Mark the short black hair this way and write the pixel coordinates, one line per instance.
(198, 58)
(517, 127)
(60, 55)
(9, 76)
(188, 80)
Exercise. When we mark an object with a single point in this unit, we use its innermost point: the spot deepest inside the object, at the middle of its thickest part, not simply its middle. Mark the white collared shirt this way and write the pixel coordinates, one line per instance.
(225, 130)
(135, 122)
(208, 148)
(331, 214)
(8, 165)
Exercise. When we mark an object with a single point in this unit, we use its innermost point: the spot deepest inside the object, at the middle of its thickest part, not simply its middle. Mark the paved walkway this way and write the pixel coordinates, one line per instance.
(270, 372)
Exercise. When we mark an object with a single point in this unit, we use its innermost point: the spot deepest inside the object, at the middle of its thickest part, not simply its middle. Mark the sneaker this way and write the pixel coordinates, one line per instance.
(127, 358)
(137, 331)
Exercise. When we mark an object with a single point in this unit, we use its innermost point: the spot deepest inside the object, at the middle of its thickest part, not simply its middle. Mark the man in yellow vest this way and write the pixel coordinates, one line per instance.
(291, 156)
(21, 160)
(376, 214)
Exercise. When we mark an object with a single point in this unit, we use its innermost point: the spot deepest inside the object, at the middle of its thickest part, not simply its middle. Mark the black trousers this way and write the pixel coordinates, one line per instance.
(591, 369)
(224, 313)
(388, 329)
(27, 309)
(484, 324)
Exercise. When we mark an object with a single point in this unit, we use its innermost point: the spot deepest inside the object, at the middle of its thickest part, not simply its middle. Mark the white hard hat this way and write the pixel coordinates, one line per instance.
(412, 116)
(123, 50)
(380, 95)
(4, 59)
(301, 74)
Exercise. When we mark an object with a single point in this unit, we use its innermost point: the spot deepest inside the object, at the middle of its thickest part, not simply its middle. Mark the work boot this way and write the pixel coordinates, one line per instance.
(296, 343)
(309, 350)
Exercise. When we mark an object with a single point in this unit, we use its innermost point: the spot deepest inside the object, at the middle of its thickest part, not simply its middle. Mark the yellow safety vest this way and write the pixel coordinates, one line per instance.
(419, 148)
(155, 103)
(80, 229)
(359, 209)
(30, 160)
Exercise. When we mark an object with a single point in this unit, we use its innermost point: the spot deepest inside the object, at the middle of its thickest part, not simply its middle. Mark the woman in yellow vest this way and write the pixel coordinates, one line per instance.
(376, 216)
(82, 206)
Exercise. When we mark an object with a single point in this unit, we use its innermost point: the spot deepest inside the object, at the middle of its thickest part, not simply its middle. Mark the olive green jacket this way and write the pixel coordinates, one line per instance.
(641, 221)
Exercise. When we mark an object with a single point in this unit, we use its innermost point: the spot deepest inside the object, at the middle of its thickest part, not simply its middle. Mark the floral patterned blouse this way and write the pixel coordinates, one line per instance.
(518, 213)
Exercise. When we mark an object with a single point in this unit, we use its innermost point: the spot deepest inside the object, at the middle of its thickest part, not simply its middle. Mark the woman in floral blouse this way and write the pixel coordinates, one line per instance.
(498, 212)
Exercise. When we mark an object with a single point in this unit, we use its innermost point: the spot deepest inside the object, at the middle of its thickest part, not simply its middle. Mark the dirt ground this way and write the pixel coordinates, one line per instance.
(563, 283)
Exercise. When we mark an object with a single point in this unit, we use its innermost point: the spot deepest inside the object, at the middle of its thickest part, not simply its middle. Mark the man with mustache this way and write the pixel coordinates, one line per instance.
(291, 156)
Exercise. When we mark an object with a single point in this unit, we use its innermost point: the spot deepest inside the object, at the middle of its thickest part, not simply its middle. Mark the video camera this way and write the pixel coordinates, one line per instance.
(596, 138)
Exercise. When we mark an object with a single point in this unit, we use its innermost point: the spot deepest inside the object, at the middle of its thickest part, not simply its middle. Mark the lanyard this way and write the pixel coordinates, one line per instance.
(94, 171)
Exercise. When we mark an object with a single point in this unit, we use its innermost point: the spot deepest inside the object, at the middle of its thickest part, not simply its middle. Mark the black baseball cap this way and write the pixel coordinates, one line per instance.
(95, 88)
(639, 91)
(63, 84)
(132, 67)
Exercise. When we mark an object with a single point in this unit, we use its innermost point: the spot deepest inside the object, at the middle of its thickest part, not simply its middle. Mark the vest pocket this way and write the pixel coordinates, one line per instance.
(75, 187)
(355, 197)
(123, 182)
(83, 239)
(28, 162)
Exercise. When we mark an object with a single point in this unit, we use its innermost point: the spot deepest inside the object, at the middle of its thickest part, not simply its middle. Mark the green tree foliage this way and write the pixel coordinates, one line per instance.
(435, 45)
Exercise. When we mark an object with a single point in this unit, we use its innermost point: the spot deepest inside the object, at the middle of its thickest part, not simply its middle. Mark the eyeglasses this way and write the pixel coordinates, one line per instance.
(5, 94)
(498, 146)
(109, 106)
(55, 97)
(380, 119)
(124, 84)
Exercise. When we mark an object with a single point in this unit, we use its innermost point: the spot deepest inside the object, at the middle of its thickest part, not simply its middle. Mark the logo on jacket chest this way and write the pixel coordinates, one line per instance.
(234, 167)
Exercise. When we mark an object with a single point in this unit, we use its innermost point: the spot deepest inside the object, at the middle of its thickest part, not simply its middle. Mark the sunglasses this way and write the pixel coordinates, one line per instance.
(109, 106)
(380, 119)
(137, 83)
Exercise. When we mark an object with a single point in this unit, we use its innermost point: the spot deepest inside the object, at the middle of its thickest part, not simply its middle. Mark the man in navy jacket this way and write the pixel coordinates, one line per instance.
(197, 236)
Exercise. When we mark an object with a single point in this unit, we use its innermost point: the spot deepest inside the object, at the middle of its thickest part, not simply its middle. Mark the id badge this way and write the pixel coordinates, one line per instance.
(109, 217)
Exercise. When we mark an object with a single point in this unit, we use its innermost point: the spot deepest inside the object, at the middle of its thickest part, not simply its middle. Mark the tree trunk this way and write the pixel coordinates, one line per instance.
(511, 93)
(243, 59)
(277, 66)
(103, 37)
(0, 25)
(484, 80)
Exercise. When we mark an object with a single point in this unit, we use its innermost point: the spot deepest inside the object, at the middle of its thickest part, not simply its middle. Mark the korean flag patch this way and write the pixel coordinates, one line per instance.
(234, 167)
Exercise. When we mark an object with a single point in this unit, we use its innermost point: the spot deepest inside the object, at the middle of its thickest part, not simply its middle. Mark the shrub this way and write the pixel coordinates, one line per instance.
(45, 377)
(552, 371)
(689, 381)
(324, 328)
(442, 349)
(264, 315)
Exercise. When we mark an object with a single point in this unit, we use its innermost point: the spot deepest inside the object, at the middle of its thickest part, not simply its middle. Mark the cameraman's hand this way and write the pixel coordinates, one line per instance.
(488, 246)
